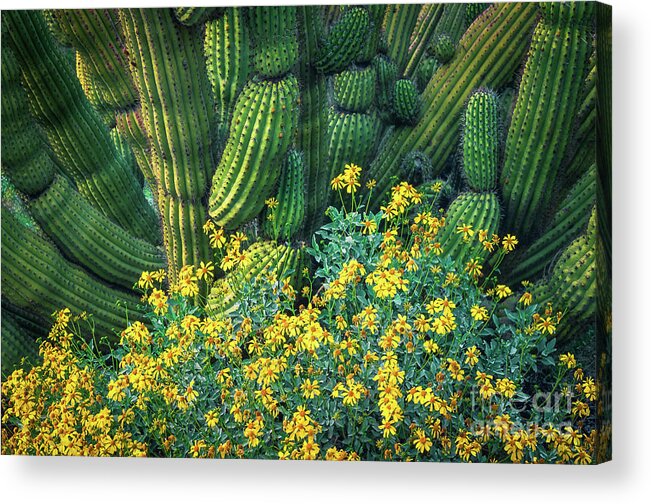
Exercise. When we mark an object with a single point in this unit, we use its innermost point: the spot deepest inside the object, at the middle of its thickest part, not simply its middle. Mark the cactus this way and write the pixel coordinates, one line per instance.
(425, 71)
(275, 47)
(354, 89)
(284, 221)
(416, 168)
(262, 258)
(387, 75)
(486, 60)
(480, 211)
(86, 236)
(568, 222)
(344, 42)
(227, 47)
(21, 331)
(79, 138)
(215, 110)
(399, 22)
(481, 141)
(571, 287)
(257, 143)
(473, 10)
(428, 19)
(405, 102)
(443, 49)
(98, 45)
(25, 158)
(36, 276)
(194, 15)
(548, 99)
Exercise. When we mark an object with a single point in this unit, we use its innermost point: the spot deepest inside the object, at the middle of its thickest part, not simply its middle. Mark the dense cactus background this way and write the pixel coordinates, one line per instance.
(124, 131)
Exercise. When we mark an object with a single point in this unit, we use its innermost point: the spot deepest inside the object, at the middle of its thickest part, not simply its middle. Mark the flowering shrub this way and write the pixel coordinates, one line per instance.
(395, 353)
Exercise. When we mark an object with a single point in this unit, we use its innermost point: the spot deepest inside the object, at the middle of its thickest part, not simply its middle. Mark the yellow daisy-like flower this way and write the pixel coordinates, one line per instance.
(509, 242)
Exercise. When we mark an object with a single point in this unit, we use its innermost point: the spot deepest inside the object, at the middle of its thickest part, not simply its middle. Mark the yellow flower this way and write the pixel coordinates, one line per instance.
(310, 388)
(509, 242)
(472, 355)
(466, 230)
(474, 268)
(205, 270)
(421, 441)
(146, 280)
(217, 238)
(197, 448)
(369, 226)
(526, 299)
(568, 359)
(479, 313)
(337, 183)
(503, 291)
(271, 203)
(546, 325)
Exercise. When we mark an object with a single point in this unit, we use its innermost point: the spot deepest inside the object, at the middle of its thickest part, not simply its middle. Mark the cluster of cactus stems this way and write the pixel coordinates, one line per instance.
(215, 110)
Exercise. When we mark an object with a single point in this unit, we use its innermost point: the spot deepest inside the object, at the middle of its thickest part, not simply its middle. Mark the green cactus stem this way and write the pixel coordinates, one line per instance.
(399, 22)
(227, 48)
(572, 285)
(548, 99)
(275, 46)
(312, 138)
(387, 75)
(25, 158)
(37, 277)
(406, 102)
(569, 221)
(87, 237)
(354, 89)
(352, 139)
(344, 41)
(479, 211)
(263, 258)
(284, 221)
(492, 49)
(481, 141)
(425, 71)
(428, 18)
(191, 16)
(267, 116)
(442, 49)
(21, 331)
(168, 66)
(79, 139)
(95, 35)
(473, 10)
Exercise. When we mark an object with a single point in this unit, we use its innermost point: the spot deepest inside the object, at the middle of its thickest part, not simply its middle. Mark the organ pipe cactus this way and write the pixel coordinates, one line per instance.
(216, 110)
